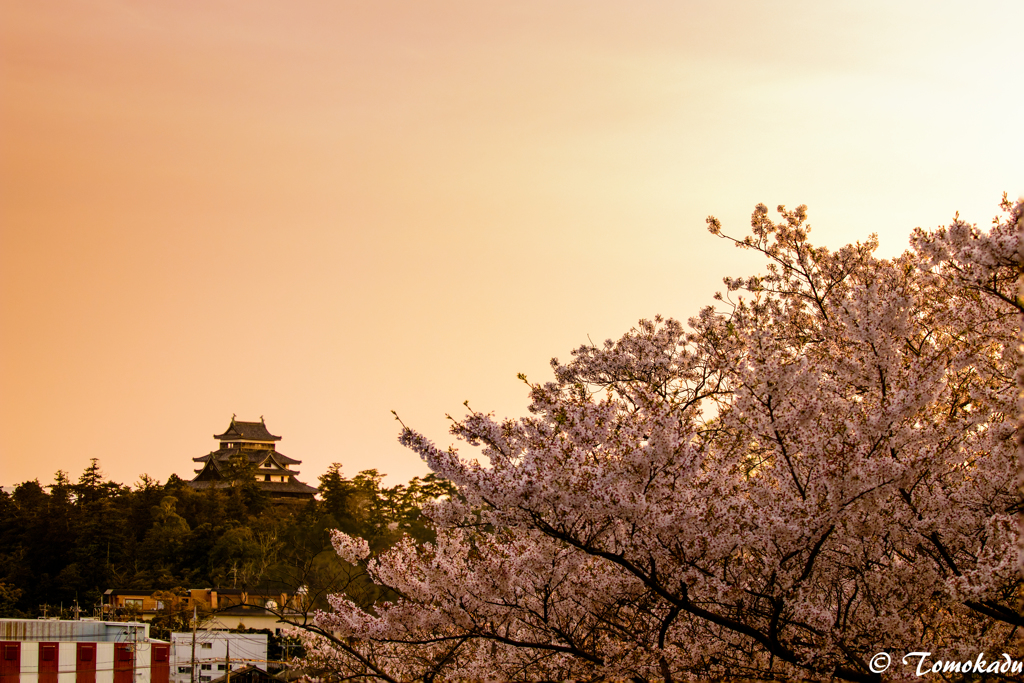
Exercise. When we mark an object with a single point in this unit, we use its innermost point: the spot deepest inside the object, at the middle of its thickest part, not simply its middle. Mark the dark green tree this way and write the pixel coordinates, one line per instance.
(75, 539)
(241, 472)
(8, 600)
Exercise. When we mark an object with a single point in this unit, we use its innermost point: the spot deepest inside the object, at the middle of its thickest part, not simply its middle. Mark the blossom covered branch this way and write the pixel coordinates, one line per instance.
(780, 488)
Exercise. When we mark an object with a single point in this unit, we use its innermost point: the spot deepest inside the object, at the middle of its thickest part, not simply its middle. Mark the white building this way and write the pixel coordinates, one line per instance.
(215, 652)
(87, 651)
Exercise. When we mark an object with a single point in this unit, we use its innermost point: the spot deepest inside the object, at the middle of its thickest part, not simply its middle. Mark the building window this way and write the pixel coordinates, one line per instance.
(205, 667)
(207, 646)
(204, 679)
(133, 603)
(220, 667)
(266, 477)
(184, 669)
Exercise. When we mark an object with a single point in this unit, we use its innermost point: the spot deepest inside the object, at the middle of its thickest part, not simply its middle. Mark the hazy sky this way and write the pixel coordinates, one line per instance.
(319, 212)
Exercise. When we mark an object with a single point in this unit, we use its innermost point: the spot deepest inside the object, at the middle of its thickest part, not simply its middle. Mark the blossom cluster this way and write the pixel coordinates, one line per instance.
(822, 467)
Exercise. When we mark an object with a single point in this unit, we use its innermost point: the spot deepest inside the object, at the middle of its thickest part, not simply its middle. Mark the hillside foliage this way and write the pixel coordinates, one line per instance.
(70, 540)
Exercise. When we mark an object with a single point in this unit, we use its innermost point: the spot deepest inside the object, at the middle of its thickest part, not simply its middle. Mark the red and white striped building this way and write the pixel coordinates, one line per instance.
(52, 651)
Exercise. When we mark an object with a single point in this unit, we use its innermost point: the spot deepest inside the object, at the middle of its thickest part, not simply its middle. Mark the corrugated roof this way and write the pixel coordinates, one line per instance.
(65, 630)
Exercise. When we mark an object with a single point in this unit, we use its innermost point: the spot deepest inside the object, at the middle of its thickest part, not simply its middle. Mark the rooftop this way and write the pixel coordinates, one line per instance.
(64, 630)
(246, 431)
(257, 456)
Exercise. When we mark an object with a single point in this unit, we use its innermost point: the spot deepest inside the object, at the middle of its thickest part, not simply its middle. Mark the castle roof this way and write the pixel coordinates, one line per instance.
(246, 431)
(257, 456)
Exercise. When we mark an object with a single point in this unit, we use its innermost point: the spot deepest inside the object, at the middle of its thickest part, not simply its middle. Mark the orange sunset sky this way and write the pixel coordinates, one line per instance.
(319, 212)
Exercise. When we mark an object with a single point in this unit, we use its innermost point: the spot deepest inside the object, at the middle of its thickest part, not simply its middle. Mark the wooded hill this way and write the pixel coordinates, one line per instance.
(70, 541)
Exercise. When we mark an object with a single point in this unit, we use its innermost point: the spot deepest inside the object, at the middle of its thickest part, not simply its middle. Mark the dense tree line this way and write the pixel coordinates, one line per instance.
(67, 541)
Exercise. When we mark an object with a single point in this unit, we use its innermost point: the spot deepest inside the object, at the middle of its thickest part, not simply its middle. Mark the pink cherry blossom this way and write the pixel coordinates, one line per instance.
(819, 469)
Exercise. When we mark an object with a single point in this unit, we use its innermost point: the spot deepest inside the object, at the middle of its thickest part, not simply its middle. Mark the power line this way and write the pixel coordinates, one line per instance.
(30, 670)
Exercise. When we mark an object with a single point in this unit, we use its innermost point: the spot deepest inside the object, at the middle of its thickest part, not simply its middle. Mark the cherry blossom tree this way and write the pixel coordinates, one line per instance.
(819, 468)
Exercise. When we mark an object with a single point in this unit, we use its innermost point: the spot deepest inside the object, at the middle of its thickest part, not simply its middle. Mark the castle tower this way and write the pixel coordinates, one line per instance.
(252, 441)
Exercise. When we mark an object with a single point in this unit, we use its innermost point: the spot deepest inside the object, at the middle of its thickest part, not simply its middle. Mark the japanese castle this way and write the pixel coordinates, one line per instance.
(252, 441)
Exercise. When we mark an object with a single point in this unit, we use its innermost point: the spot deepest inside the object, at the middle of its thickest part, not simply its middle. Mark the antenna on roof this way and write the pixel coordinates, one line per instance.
(232, 417)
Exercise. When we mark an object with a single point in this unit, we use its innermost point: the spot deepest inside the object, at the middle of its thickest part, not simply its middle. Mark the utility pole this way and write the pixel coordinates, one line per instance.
(227, 660)
(192, 669)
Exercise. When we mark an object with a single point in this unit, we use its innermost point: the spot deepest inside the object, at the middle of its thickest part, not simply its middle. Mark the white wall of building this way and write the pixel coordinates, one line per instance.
(66, 672)
(67, 653)
(105, 664)
(213, 649)
(30, 634)
(30, 663)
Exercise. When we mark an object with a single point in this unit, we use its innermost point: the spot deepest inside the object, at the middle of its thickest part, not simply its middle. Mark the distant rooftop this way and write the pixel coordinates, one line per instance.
(246, 431)
(63, 630)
